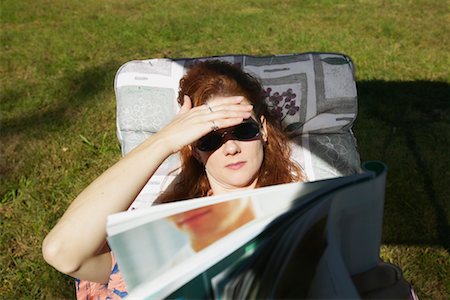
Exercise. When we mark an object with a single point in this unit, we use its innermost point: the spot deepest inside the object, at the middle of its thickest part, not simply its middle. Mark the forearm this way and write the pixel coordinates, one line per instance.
(82, 229)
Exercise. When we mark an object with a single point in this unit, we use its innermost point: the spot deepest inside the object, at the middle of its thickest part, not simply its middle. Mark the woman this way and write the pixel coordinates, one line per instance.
(227, 142)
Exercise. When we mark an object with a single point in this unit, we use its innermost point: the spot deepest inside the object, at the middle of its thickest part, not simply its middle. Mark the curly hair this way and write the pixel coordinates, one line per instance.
(218, 78)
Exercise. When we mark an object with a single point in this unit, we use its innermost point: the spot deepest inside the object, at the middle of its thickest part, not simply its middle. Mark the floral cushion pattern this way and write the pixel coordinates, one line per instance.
(313, 95)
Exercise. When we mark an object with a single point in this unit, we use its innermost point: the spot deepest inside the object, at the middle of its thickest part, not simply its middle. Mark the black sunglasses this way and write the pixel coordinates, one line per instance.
(246, 131)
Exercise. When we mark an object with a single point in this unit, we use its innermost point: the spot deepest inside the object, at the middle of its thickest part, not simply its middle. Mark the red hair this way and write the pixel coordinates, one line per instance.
(217, 78)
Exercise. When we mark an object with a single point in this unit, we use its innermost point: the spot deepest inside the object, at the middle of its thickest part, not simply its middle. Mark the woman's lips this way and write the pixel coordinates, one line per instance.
(236, 166)
(188, 217)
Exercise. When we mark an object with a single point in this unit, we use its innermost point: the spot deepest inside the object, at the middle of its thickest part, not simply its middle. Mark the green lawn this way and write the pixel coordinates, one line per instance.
(59, 58)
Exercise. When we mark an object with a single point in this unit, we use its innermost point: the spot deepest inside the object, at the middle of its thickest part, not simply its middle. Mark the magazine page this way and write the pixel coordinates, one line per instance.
(150, 242)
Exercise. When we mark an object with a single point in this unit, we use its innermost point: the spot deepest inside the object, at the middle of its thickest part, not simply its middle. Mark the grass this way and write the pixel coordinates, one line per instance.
(58, 61)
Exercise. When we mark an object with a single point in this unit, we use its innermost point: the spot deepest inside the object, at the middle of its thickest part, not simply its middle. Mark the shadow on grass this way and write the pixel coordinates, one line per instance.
(71, 92)
(406, 125)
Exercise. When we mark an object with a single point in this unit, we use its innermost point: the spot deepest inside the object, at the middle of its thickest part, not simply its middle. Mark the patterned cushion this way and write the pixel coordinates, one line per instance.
(313, 94)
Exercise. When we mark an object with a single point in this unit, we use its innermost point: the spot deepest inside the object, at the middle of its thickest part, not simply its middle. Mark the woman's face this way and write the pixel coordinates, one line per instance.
(235, 165)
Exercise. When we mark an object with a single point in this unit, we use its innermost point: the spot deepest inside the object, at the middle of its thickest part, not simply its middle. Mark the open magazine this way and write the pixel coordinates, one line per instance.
(299, 240)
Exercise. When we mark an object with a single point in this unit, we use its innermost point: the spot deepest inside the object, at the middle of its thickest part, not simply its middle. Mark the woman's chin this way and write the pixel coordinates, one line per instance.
(241, 182)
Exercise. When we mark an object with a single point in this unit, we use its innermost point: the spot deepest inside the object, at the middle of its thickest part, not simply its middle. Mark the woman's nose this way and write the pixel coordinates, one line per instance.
(231, 147)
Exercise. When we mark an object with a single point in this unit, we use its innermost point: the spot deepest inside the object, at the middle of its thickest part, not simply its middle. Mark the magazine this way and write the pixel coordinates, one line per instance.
(328, 229)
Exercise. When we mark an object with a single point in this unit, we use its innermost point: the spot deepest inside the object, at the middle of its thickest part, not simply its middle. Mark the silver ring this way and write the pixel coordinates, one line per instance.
(209, 107)
(214, 126)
